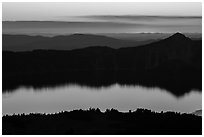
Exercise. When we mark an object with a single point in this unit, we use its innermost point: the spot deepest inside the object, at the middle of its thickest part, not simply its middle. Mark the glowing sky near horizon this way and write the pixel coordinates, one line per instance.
(58, 10)
(105, 17)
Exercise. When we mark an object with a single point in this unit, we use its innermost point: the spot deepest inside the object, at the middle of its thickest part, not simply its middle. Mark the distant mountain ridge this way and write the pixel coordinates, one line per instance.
(174, 63)
(74, 41)
(176, 47)
(149, 36)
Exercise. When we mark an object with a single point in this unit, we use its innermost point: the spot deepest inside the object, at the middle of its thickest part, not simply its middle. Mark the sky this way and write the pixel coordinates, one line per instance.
(105, 17)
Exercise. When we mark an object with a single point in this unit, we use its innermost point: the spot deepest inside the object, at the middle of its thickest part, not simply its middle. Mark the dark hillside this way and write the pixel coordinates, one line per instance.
(174, 63)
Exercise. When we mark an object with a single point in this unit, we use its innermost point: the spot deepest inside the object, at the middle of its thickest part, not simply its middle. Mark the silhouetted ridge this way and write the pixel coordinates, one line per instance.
(178, 37)
(78, 34)
(83, 36)
(174, 63)
(64, 42)
(110, 122)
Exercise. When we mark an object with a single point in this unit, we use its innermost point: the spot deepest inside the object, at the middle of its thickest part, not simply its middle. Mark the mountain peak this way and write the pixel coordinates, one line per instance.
(178, 36)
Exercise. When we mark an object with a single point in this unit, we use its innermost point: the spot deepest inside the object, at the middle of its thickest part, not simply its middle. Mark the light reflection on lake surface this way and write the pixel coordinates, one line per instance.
(123, 98)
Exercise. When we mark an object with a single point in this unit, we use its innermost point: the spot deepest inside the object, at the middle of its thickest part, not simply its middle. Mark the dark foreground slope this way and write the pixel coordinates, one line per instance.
(174, 63)
(93, 121)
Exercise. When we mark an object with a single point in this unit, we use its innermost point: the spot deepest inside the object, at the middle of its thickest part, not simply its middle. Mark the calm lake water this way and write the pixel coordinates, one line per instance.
(123, 98)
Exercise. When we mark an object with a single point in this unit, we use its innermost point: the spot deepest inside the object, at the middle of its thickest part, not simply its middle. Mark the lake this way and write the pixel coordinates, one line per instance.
(73, 96)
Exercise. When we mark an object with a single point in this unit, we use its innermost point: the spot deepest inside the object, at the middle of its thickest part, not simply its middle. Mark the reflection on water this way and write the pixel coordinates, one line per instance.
(123, 98)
